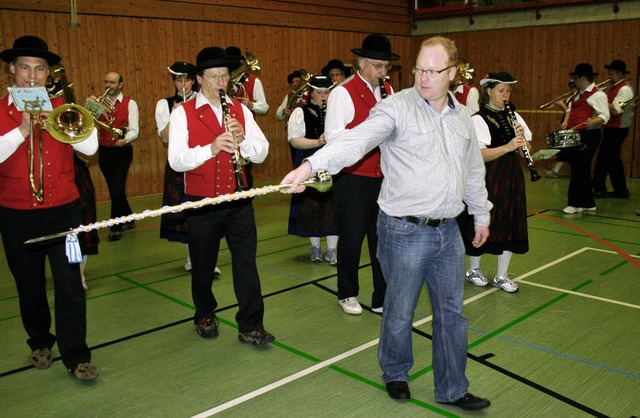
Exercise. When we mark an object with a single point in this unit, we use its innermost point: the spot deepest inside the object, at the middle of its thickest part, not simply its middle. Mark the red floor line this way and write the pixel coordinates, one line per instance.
(589, 234)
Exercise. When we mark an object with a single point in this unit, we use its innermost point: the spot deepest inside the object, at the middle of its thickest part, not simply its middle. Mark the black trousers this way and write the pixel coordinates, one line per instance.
(27, 264)
(235, 222)
(355, 209)
(609, 162)
(580, 186)
(114, 164)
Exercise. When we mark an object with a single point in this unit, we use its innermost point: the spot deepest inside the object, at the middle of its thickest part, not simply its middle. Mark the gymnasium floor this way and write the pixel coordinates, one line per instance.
(566, 345)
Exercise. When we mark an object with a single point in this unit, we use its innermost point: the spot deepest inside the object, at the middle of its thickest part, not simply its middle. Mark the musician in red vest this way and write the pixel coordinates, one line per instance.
(116, 153)
(588, 111)
(46, 204)
(467, 94)
(204, 144)
(356, 188)
(253, 96)
(608, 161)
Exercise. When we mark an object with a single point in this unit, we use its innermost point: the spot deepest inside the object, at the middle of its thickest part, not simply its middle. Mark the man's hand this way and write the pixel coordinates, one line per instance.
(295, 177)
(224, 142)
(482, 233)
(236, 129)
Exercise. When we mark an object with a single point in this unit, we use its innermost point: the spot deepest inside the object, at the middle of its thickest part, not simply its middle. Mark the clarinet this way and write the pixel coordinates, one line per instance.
(383, 90)
(235, 157)
(525, 151)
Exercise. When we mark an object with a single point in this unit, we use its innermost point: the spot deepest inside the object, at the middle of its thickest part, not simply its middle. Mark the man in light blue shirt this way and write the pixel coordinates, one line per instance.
(432, 167)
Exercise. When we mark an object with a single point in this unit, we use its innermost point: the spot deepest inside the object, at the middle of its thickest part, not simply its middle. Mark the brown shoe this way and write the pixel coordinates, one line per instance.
(85, 371)
(256, 337)
(41, 358)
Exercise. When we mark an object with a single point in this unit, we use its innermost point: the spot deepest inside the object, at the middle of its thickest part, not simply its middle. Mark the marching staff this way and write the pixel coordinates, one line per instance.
(588, 111)
(500, 142)
(202, 148)
(608, 161)
(24, 215)
(311, 213)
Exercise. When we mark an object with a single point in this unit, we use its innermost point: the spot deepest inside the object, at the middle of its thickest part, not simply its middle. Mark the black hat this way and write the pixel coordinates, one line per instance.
(499, 77)
(320, 82)
(336, 63)
(234, 53)
(295, 74)
(183, 68)
(617, 65)
(29, 46)
(213, 57)
(376, 47)
(583, 69)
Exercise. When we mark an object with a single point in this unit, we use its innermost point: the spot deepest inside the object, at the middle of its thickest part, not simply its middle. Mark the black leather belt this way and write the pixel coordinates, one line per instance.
(422, 221)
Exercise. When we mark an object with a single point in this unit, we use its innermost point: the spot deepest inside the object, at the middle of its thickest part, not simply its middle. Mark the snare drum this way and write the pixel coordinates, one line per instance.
(565, 138)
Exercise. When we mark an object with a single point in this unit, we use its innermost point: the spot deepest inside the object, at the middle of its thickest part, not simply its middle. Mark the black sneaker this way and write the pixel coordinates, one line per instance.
(115, 235)
(469, 402)
(256, 337)
(129, 225)
(207, 327)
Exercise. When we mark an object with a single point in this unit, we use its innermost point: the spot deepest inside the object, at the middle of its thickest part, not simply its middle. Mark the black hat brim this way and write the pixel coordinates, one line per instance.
(8, 55)
(376, 55)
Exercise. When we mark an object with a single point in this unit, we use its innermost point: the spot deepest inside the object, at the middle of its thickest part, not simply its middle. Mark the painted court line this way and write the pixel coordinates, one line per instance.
(305, 372)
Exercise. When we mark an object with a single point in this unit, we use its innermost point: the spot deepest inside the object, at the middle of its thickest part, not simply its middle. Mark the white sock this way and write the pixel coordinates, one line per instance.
(188, 255)
(503, 263)
(474, 262)
(332, 242)
(315, 241)
(557, 167)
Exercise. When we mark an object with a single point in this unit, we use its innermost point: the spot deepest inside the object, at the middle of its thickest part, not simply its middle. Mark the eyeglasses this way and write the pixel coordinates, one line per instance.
(430, 73)
(378, 66)
(216, 77)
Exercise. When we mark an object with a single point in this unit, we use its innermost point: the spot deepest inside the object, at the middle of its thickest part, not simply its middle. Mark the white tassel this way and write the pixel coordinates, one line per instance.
(72, 249)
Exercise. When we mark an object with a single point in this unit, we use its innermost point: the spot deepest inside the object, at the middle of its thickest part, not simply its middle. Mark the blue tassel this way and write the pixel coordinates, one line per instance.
(72, 248)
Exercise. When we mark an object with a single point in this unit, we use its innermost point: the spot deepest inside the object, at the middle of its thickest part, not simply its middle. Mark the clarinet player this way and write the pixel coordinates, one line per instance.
(202, 144)
(504, 180)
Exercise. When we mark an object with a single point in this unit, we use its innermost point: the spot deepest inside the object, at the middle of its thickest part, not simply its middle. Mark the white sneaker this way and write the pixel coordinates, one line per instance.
(572, 209)
(216, 272)
(552, 174)
(593, 209)
(477, 277)
(351, 306)
(316, 253)
(331, 256)
(187, 264)
(505, 284)
(377, 310)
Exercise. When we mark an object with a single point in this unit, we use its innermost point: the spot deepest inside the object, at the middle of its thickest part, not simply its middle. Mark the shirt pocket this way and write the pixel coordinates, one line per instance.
(419, 139)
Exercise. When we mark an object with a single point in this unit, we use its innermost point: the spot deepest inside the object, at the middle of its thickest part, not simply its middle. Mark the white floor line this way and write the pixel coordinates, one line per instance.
(584, 295)
(373, 343)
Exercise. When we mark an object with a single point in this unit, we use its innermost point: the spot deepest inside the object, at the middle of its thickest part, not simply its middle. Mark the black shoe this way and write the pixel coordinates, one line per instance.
(207, 327)
(469, 402)
(399, 389)
(115, 235)
(601, 195)
(620, 195)
(129, 225)
(256, 337)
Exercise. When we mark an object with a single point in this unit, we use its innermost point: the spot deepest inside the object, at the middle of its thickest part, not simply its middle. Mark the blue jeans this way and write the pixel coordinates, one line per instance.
(411, 255)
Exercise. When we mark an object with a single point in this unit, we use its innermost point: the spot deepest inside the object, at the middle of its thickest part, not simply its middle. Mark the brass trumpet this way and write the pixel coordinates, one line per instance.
(238, 76)
(602, 86)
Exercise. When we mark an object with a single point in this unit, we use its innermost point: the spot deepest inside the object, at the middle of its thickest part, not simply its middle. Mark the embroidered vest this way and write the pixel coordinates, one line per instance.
(581, 111)
(59, 175)
(363, 101)
(216, 176)
(105, 138)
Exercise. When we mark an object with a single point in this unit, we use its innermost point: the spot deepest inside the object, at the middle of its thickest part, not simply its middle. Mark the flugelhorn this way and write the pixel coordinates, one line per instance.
(602, 86)
(239, 75)
(101, 106)
(298, 92)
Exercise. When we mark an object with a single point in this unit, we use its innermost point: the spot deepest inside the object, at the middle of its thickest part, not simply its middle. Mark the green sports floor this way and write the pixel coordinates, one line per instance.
(566, 345)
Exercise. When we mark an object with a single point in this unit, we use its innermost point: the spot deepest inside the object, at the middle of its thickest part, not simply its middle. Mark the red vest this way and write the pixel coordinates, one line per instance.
(462, 97)
(581, 110)
(363, 101)
(59, 175)
(105, 138)
(216, 176)
(615, 120)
